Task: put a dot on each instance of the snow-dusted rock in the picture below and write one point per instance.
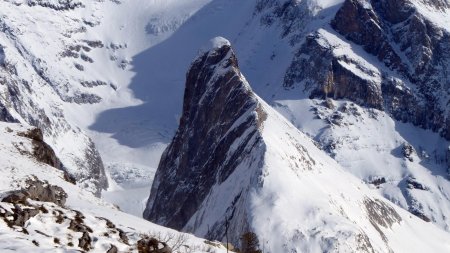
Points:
(235, 165)
(407, 42)
(40, 211)
(2, 56)
(37, 81)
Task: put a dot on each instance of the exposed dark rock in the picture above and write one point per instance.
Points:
(77, 224)
(219, 127)
(41, 150)
(419, 214)
(109, 224)
(5, 115)
(91, 84)
(412, 183)
(94, 43)
(20, 216)
(328, 103)
(378, 181)
(44, 153)
(152, 245)
(122, 235)
(292, 14)
(2, 56)
(85, 241)
(86, 58)
(79, 66)
(408, 151)
(381, 214)
(40, 191)
(69, 178)
(113, 249)
(61, 5)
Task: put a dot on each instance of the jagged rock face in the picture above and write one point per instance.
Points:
(39, 191)
(362, 26)
(202, 153)
(324, 76)
(237, 165)
(404, 41)
(41, 150)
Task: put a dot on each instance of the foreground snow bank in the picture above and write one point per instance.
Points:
(83, 223)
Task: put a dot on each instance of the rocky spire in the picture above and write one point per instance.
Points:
(218, 127)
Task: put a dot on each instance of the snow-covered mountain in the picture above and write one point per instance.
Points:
(236, 162)
(42, 210)
(295, 56)
(367, 80)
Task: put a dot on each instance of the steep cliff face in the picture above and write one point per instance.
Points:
(411, 58)
(235, 166)
(222, 107)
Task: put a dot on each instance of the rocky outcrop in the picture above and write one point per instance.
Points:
(219, 125)
(237, 168)
(39, 191)
(412, 58)
(152, 245)
(361, 25)
(59, 5)
(323, 75)
(35, 190)
(69, 228)
(408, 151)
(41, 150)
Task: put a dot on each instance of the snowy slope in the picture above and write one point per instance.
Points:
(128, 99)
(109, 225)
(260, 174)
(63, 62)
(268, 42)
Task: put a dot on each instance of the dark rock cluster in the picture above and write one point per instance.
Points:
(413, 183)
(408, 151)
(50, 199)
(60, 5)
(152, 245)
(39, 191)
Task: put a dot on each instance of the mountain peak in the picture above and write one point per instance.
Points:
(236, 166)
(216, 43)
(221, 115)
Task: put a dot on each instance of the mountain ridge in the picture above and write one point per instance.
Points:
(276, 176)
